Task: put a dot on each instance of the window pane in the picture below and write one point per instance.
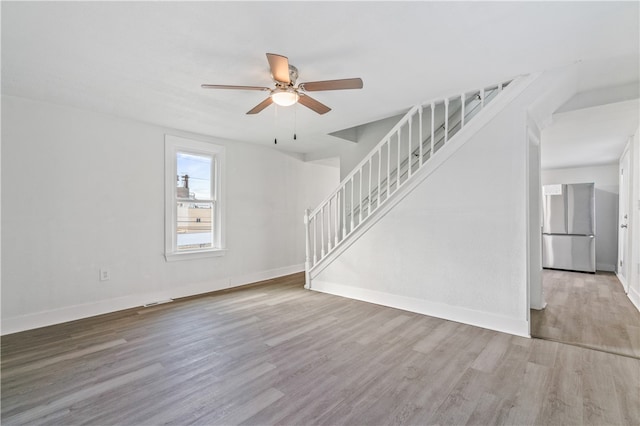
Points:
(194, 176)
(194, 225)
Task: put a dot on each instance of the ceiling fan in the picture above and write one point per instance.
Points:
(286, 92)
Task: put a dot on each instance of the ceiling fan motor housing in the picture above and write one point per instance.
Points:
(293, 77)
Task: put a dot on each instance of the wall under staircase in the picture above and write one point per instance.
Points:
(454, 242)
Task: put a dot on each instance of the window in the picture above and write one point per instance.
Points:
(194, 222)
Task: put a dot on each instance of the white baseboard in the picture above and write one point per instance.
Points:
(634, 296)
(540, 307)
(265, 275)
(75, 312)
(623, 281)
(425, 307)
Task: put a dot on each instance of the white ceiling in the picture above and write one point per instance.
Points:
(589, 136)
(146, 60)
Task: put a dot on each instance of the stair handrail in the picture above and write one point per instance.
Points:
(405, 118)
(339, 196)
(416, 151)
(372, 152)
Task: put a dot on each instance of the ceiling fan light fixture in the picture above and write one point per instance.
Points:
(285, 97)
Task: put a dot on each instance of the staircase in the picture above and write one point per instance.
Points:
(388, 171)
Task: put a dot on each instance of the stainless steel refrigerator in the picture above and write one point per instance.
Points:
(569, 225)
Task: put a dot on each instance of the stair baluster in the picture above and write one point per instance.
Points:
(340, 216)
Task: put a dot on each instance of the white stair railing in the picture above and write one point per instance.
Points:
(408, 146)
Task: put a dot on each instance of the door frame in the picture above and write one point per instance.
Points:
(535, 295)
(624, 261)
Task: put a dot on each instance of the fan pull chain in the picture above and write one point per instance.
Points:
(295, 121)
(275, 123)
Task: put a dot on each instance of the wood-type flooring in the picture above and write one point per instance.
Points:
(589, 310)
(275, 353)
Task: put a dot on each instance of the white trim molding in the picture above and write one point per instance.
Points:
(439, 310)
(634, 296)
(76, 312)
(623, 282)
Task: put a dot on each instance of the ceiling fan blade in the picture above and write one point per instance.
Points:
(262, 105)
(311, 103)
(279, 67)
(346, 83)
(224, 86)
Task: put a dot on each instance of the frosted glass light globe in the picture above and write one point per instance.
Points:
(285, 97)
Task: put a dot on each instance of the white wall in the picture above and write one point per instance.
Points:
(607, 188)
(83, 191)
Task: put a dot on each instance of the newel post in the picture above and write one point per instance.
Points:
(307, 259)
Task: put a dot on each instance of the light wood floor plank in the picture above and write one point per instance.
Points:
(62, 403)
(563, 403)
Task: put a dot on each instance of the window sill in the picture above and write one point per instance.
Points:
(189, 255)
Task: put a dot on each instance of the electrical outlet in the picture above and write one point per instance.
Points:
(105, 275)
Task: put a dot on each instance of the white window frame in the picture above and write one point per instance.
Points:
(173, 145)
